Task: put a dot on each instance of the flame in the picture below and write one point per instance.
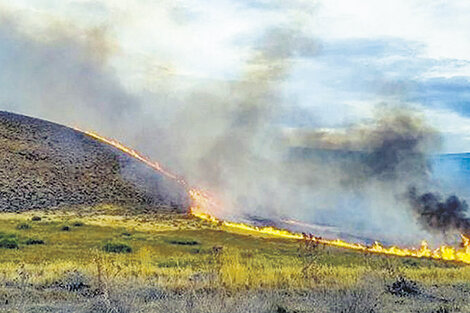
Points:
(133, 153)
(202, 203)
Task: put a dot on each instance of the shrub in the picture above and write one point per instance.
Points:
(8, 241)
(150, 294)
(403, 287)
(23, 226)
(74, 281)
(35, 218)
(34, 241)
(117, 247)
(184, 242)
(65, 228)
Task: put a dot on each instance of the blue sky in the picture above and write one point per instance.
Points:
(368, 52)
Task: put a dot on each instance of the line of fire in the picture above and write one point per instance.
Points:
(202, 204)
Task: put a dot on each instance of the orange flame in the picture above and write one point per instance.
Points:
(133, 153)
(448, 253)
(202, 203)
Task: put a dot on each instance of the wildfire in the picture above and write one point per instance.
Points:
(201, 200)
(202, 203)
(133, 153)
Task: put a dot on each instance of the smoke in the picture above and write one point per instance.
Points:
(228, 135)
(244, 158)
(391, 145)
(59, 72)
(393, 152)
(356, 176)
(399, 145)
(436, 215)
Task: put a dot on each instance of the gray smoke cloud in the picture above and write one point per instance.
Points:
(61, 76)
(225, 135)
(244, 157)
(359, 174)
(392, 153)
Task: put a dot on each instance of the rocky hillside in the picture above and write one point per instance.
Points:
(46, 165)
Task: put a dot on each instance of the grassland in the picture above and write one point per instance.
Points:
(67, 261)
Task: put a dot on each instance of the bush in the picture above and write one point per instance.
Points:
(23, 226)
(184, 242)
(8, 241)
(403, 287)
(74, 281)
(65, 228)
(33, 241)
(35, 218)
(117, 247)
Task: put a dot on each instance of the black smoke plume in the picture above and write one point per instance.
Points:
(399, 146)
(437, 215)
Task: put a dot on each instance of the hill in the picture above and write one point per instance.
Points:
(46, 165)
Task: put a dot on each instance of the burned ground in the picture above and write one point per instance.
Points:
(46, 165)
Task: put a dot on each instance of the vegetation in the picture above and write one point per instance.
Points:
(180, 264)
(185, 242)
(117, 247)
(22, 226)
(34, 241)
(8, 241)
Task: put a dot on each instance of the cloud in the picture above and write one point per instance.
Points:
(444, 93)
(442, 28)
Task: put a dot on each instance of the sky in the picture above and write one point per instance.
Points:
(367, 52)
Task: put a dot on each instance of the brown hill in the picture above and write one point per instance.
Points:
(46, 165)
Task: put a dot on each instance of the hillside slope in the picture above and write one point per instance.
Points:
(46, 165)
